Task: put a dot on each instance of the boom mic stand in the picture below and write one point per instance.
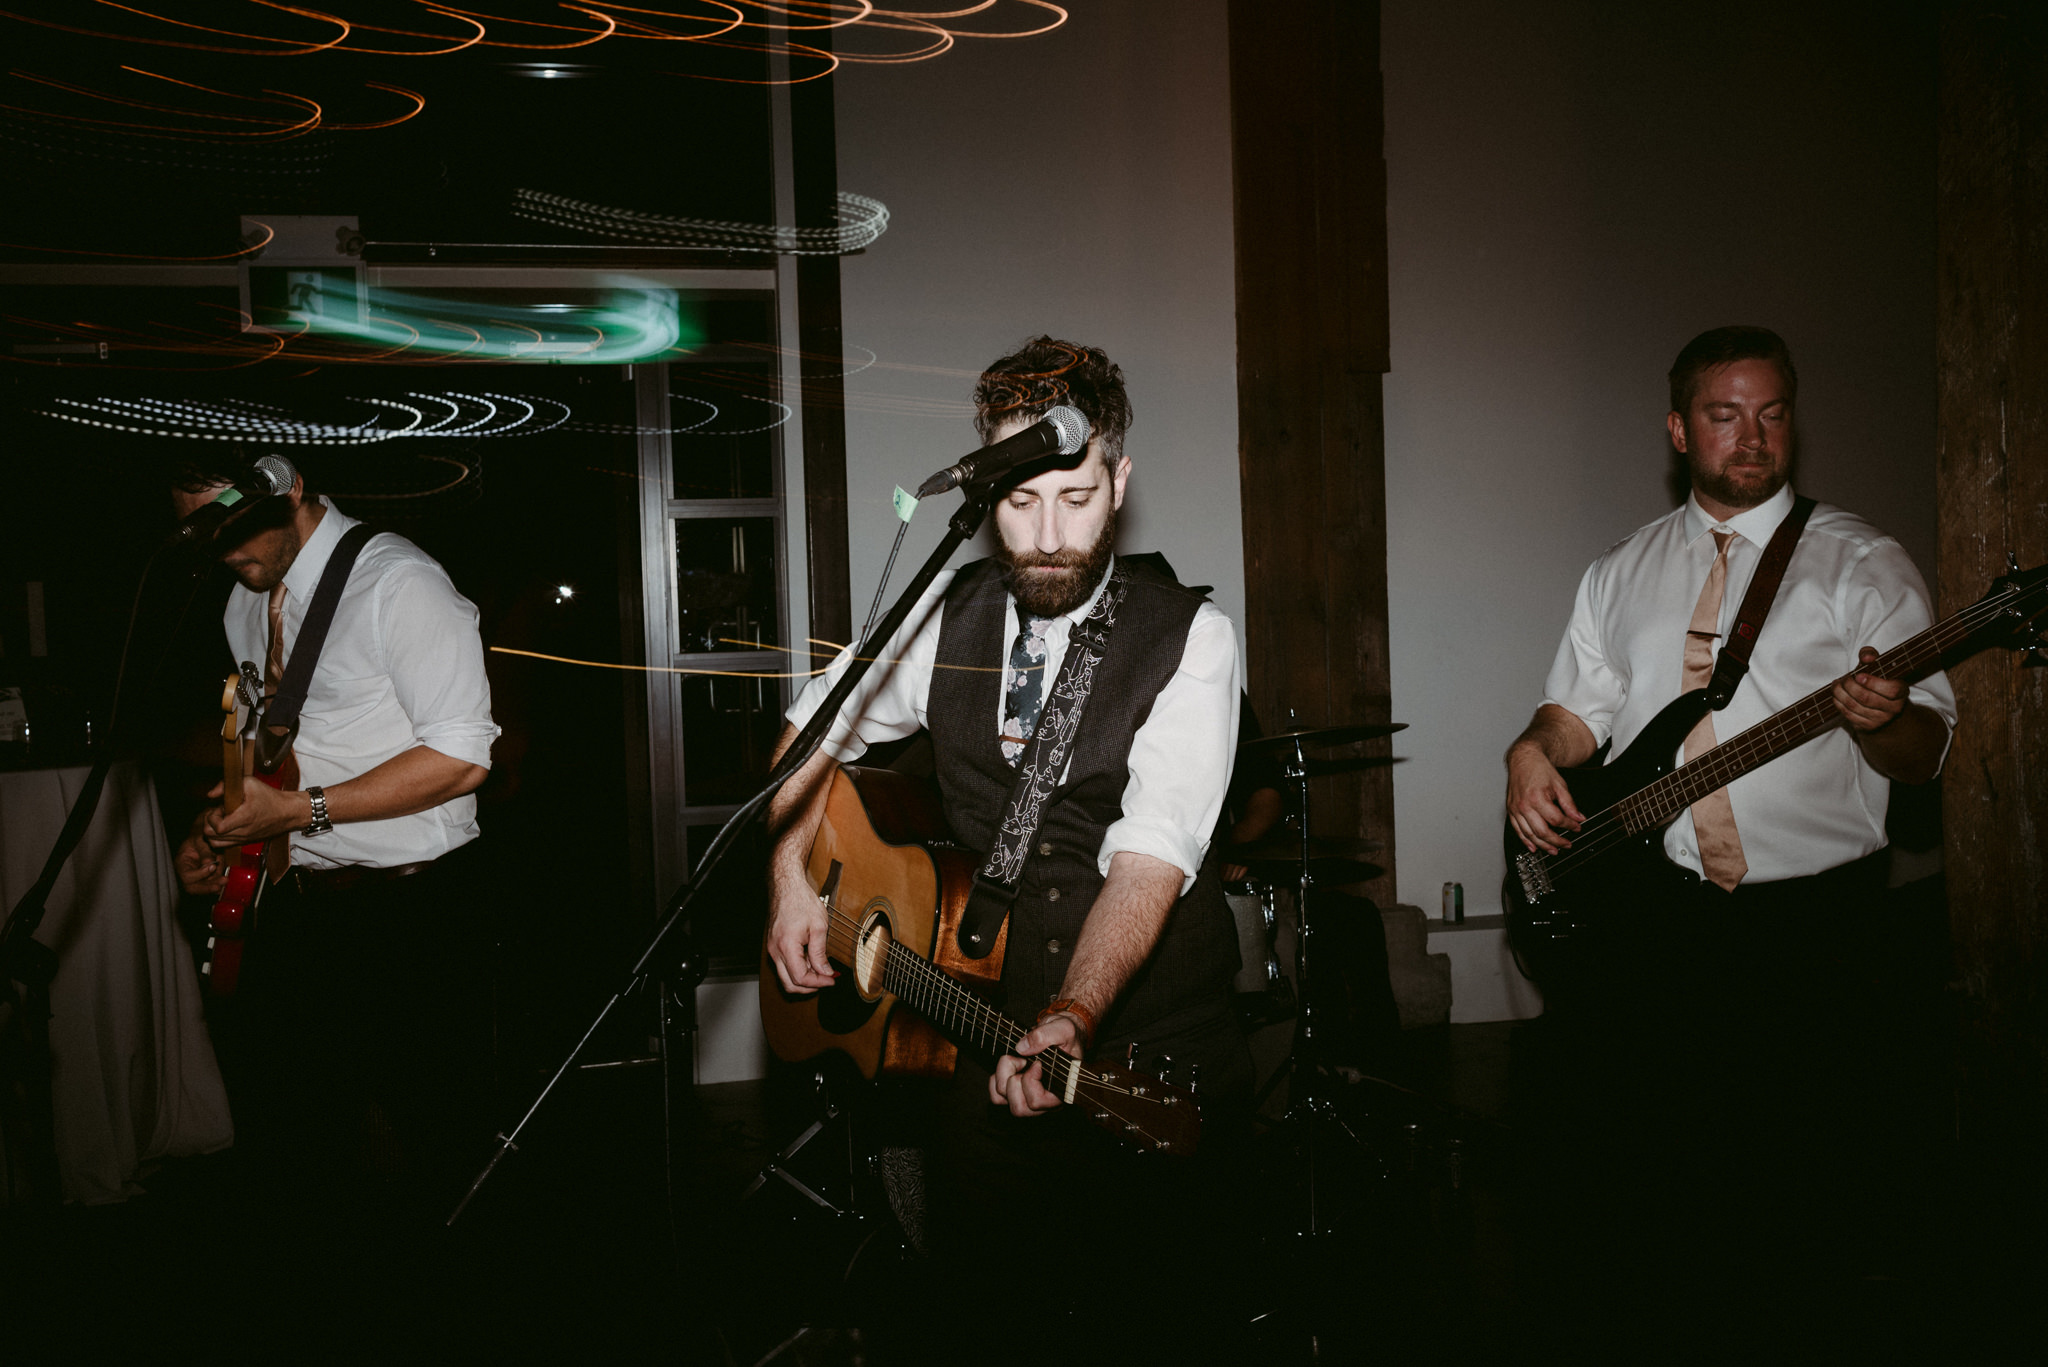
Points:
(671, 938)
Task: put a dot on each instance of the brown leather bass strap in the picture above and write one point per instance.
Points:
(281, 719)
(1733, 661)
(1039, 770)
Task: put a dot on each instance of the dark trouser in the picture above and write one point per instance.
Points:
(1721, 1118)
(1053, 1227)
(358, 1047)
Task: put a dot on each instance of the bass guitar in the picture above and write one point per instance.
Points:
(253, 866)
(892, 906)
(1557, 901)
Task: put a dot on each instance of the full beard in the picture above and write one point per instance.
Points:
(1074, 573)
(1739, 486)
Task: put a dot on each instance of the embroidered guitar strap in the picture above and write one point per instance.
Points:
(1733, 662)
(1038, 772)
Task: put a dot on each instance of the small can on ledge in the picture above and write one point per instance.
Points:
(1454, 903)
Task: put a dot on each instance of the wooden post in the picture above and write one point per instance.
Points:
(1307, 135)
(1992, 351)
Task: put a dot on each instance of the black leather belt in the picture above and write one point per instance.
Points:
(353, 875)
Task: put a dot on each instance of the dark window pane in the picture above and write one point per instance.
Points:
(727, 423)
(726, 584)
(729, 731)
(733, 907)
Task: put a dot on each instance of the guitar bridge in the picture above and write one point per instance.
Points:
(1535, 876)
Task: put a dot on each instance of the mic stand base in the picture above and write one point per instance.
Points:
(664, 948)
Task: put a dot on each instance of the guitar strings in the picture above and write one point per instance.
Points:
(1659, 801)
(1057, 1064)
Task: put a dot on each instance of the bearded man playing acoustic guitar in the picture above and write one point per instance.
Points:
(1119, 933)
(1742, 992)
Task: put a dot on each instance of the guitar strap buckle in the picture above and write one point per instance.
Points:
(1733, 661)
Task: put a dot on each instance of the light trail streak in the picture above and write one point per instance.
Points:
(738, 673)
(286, 47)
(245, 250)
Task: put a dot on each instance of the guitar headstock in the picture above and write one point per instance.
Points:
(1143, 1111)
(2021, 597)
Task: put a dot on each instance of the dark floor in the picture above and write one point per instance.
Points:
(1445, 1236)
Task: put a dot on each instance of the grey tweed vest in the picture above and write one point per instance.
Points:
(1187, 979)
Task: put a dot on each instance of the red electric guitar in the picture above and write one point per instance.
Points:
(258, 864)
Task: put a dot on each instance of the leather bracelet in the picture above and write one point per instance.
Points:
(1067, 1006)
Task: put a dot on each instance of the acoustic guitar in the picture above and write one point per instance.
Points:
(1556, 902)
(892, 904)
(253, 866)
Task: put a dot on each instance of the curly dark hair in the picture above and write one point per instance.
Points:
(1046, 372)
(1722, 346)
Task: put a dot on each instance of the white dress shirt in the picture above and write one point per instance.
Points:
(403, 666)
(1180, 758)
(1848, 586)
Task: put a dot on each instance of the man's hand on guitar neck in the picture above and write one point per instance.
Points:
(1018, 1082)
(1901, 739)
(1539, 803)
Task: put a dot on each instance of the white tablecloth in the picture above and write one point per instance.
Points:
(133, 1068)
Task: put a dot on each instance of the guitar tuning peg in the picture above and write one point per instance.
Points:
(1165, 1066)
(1131, 1056)
(1194, 1077)
(2012, 563)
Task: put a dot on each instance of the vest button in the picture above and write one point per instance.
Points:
(1052, 946)
(1045, 847)
(1052, 894)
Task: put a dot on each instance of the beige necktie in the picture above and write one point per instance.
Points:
(277, 854)
(273, 659)
(1713, 818)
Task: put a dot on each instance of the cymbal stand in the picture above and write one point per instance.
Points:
(1307, 1107)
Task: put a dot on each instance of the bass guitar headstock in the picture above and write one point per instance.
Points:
(2022, 597)
(1144, 1111)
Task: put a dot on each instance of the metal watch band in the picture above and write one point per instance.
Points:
(321, 823)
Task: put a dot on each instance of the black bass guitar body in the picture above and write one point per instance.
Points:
(1561, 906)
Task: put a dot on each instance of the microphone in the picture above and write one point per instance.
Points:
(273, 475)
(1062, 429)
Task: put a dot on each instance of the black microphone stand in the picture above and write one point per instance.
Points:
(670, 945)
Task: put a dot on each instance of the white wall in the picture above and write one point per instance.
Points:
(1076, 183)
(1574, 191)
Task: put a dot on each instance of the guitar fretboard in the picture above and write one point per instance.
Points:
(1655, 804)
(941, 999)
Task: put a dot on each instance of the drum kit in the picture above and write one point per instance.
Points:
(1304, 861)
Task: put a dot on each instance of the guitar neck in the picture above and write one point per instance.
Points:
(1658, 803)
(934, 994)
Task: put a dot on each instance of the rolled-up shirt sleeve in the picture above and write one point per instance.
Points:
(890, 702)
(1181, 757)
(434, 656)
(1884, 602)
(1582, 680)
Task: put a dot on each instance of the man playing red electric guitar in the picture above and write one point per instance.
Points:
(358, 1035)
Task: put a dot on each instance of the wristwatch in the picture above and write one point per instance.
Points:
(321, 823)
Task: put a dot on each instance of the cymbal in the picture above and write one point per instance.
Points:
(1325, 736)
(1284, 849)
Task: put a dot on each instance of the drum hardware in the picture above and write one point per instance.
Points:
(1310, 1110)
